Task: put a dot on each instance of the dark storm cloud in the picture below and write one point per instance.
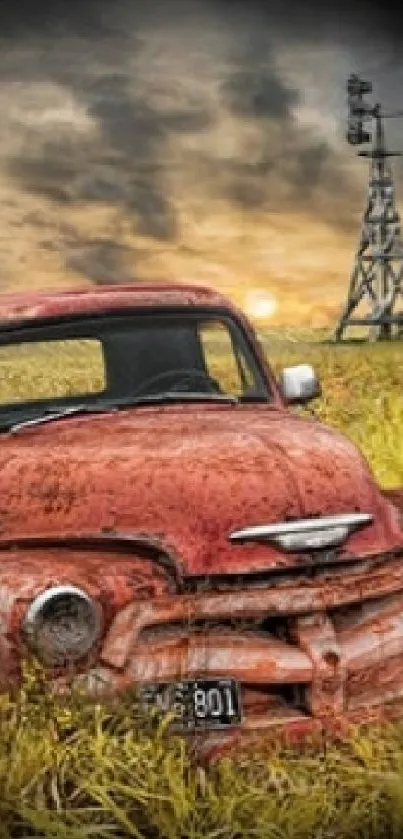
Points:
(293, 169)
(124, 169)
(307, 179)
(101, 260)
(98, 51)
(49, 173)
(347, 21)
(30, 17)
(133, 131)
(254, 92)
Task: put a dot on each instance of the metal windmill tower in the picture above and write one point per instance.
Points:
(377, 275)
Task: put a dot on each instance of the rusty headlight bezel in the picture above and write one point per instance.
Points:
(61, 625)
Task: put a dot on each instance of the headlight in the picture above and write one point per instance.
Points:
(62, 624)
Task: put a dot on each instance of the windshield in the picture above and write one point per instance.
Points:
(126, 359)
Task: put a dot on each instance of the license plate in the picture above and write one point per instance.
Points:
(201, 704)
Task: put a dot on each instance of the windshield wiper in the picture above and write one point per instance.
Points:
(49, 415)
(114, 405)
(174, 396)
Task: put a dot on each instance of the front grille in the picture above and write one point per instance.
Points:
(300, 645)
(321, 565)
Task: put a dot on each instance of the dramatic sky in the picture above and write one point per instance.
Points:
(200, 140)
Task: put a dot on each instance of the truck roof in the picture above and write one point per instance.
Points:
(23, 307)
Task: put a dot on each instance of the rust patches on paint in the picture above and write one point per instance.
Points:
(136, 508)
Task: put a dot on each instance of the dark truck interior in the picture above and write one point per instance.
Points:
(146, 354)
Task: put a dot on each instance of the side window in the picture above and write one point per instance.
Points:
(220, 359)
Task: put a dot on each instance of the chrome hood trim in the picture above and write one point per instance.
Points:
(305, 534)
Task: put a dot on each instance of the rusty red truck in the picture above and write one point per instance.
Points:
(169, 522)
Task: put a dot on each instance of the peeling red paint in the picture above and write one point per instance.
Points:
(51, 303)
(243, 467)
(136, 508)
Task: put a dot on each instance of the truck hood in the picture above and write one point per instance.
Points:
(188, 476)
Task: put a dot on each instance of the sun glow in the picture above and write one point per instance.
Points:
(260, 304)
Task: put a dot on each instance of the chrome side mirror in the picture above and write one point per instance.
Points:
(299, 384)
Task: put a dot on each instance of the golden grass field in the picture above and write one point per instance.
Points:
(362, 395)
(79, 771)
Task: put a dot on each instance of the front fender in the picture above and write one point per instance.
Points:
(112, 579)
(395, 496)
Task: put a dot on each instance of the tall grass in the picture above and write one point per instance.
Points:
(74, 769)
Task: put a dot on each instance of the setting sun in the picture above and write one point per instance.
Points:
(260, 303)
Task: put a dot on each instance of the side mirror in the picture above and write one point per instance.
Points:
(299, 384)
